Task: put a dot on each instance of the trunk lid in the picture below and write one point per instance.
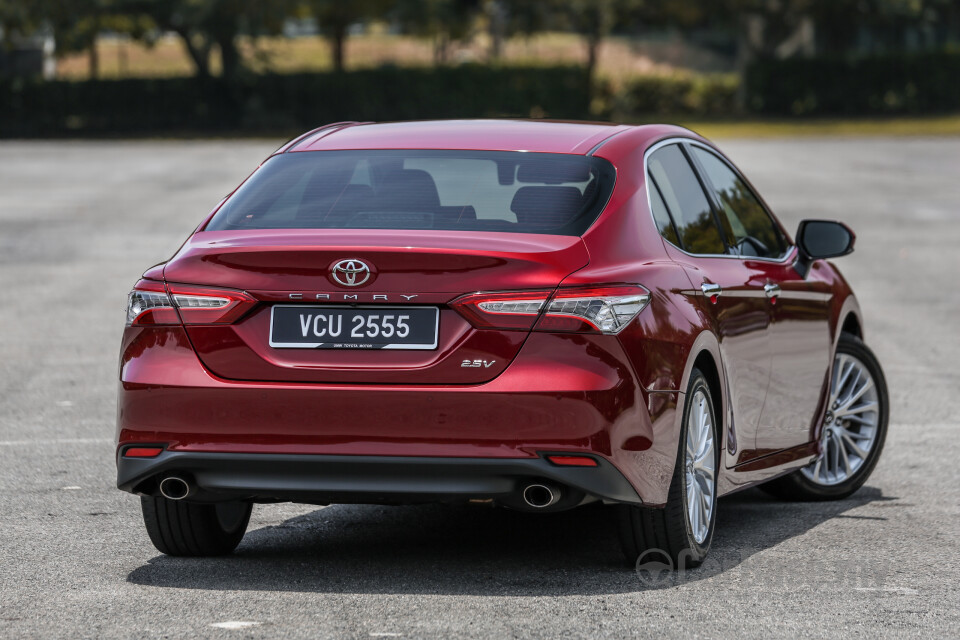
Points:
(406, 268)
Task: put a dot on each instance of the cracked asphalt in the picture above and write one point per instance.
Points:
(79, 222)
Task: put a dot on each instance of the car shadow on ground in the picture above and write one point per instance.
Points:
(437, 549)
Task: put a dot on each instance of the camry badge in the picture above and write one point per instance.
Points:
(350, 272)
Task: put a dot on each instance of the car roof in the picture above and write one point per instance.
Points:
(494, 135)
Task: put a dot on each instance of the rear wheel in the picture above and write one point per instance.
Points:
(854, 429)
(680, 533)
(181, 528)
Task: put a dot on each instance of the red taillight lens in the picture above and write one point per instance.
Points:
(510, 311)
(148, 304)
(151, 303)
(606, 309)
(201, 305)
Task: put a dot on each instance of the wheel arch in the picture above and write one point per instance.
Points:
(705, 356)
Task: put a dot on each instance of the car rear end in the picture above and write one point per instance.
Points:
(385, 326)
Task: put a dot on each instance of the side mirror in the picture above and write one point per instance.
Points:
(820, 239)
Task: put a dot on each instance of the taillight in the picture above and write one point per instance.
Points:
(148, 304)
(200, 305)
(605, 309)
(511, 311)
(151, 303)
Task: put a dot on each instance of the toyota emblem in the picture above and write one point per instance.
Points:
(350, 272)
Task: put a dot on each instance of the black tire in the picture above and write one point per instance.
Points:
(797, 486)
(664, 536)
(181, 528)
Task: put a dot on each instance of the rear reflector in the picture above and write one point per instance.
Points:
(573, 461)
(142, 452)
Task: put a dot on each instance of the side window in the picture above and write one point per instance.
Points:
(754, 232)
(661, 216)
(686, 201)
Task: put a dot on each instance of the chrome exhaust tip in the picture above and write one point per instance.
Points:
(174, 488)
(540, 496)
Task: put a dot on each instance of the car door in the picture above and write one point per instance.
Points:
(730, 291)
(799, 308)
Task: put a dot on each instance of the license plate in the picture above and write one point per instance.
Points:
(329, 327)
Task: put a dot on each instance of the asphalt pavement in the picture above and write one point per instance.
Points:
(80, 221)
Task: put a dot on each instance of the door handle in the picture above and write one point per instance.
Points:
(712, 291)
(772, 291)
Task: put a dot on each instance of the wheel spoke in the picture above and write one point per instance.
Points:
(844, 374)
(844, 458)
(867, 385)
(863, 408)
(853, 446)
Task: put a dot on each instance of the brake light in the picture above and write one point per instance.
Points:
(606, 309)
(510, 311)
(199, 305)
(151, 303)
(148, 304)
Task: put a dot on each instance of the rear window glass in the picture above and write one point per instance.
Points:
(461, 190)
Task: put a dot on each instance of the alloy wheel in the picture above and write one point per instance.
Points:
(700, 462)
(851, 425)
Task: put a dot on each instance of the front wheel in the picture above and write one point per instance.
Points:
(854, 429)
(681, 532)
(181, 528)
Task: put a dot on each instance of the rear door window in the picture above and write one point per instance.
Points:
(685, 200)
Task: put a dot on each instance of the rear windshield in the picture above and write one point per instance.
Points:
(462, 190)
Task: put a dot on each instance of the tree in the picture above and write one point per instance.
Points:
(203, 25)
(335, 17)
(594, 20)
(445, 21)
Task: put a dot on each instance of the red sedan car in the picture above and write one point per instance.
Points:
(537, 314)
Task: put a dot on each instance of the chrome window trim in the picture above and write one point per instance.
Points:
(788, 256)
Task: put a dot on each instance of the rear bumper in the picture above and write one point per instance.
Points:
(562, 394)
(364, 479)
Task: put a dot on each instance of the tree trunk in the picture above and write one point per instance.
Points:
(229, 55)
(593, 54)
(338, 40)
(497, 19)
(94, 59)
(199, 55)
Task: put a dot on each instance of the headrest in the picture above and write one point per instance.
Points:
(546, 207)
(410, 190)
(547, 171)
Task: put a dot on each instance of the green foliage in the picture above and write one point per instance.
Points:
(444, 21)
(286, 103)
(644, 97)
(205, 24)
(885, 84)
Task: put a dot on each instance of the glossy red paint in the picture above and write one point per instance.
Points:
(616, 398)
